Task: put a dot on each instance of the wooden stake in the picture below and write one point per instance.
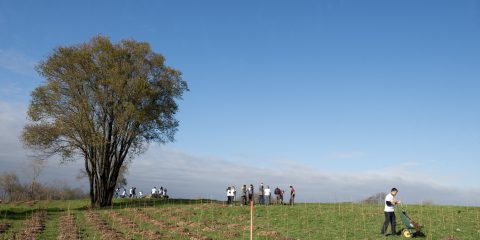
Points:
(251, 220)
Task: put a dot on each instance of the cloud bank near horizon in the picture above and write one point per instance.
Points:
(188, 175)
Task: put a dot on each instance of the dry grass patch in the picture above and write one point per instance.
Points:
(4, 226)
(133, 228)
(33, 226)
(179, 228)
(93, 219)
(68, 230)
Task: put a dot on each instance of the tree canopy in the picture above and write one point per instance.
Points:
(103, 102)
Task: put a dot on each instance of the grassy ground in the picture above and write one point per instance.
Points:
(200, 219)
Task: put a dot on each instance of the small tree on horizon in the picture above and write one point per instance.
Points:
(103, 102)
(377, 198)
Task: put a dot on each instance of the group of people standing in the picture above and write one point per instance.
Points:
(132, 193)
(159, 193)
(264, 194)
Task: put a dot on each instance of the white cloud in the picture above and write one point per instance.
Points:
(189, 176)
(17, 62)
(14, 157)
(12, 119)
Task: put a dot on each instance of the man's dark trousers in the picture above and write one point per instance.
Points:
(389, 219)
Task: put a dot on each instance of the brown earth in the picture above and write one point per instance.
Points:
(268, 234)
(216, 225)
(107, 233)
(133, 228)
(33, 226)
(4, 226)
(178, 228)
(68, 230)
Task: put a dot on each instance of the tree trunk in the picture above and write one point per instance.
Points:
(103, 171)
(101, 189)
(92, 193)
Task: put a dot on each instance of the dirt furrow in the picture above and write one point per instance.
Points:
(181, 219)
(107, 232)
(33, 226)
(177, 228)
(4, 226)
(218, 225)
(68, 230)
(133, 228)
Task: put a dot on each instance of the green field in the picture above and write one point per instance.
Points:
(202, 219)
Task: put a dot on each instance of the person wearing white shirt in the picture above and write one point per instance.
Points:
(229, 195)
(389, 211)
(267, 194)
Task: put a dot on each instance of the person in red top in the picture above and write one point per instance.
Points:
(292, 195)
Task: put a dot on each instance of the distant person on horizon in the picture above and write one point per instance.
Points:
(243, 194)
(117, 192)
(234, 193)
(389, 211)
(124, 193)
(232, 188)
(229, 195)
(267, 194)
(154, 192)
(261, 192)
(282, 192)
(277, 193)
(250, 193)
(292, 195)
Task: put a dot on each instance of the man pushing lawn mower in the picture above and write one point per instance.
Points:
(411, 229)
(390, 203)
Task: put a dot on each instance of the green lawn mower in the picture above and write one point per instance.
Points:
(412, 228)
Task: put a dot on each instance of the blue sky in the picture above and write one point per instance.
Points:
(346, 87)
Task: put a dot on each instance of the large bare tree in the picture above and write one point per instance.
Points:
(103, 102)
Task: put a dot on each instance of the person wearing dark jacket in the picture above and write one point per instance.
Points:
(277, 193)
(261, 191)
(243, 194)
(250, 193)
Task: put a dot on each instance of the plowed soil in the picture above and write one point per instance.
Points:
(68, 230)
(33, 226)
(4, 226)
(133, 228)
(107, 232)
(177, 228)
